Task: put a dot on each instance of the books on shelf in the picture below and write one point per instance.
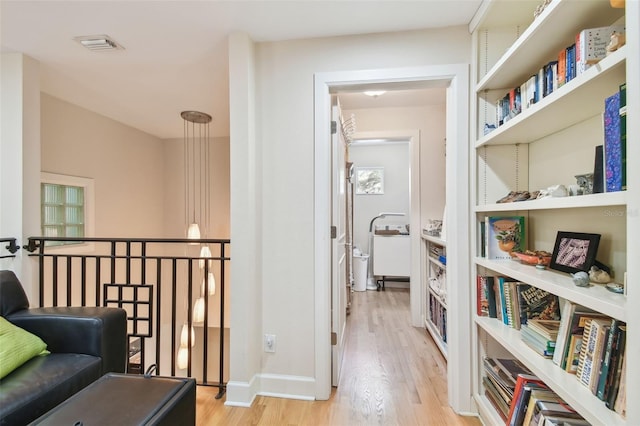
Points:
(572, 322)
(616, 373)
(522, 392)
(573, 355)
(591, 45)
(503, 235)
(482, 296)
(623, 135)
(612, 147)
(595, 332)
(537, 342)
(548, 328)
(535, 303)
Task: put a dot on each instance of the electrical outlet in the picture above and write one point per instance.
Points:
(269, 342)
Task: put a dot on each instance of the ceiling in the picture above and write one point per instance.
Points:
(175, 52)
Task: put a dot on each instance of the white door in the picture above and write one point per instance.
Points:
(338, 252)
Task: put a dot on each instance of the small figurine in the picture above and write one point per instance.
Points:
(617, 41)
(598, 275)
(581, 279)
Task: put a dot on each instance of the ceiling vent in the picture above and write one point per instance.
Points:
(98, 43)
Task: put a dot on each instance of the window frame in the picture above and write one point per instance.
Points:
(89, 207)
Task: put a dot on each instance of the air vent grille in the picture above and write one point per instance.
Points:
(98, 43)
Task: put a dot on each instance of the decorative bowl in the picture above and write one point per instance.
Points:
(531, 259)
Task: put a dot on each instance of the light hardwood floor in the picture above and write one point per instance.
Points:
(393, 374)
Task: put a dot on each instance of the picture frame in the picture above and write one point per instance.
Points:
(574, 251)
(369, 181)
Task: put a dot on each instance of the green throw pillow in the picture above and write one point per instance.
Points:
(17, 346)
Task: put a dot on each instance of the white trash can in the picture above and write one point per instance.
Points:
(360, 264)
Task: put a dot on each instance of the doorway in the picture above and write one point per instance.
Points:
(455, 78)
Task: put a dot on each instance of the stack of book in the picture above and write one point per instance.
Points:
(500, 381)
(541, 335)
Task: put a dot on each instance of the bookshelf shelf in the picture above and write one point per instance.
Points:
(442, 346)
(568, 105)
(549, 143)
(608, 199)
(564, 384)
(435, 307)
(553, 30)
(595, 297)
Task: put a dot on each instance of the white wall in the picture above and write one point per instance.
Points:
(284, 132)
(430, 121)
(20, 161)
(394, 158)
(126, 165)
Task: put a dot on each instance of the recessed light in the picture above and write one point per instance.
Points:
(375, 93)
(98, 42)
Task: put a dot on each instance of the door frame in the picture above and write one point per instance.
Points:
(458, 213)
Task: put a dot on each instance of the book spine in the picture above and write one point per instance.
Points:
(606, 361)
(563, 332)
(584, 371)
(612, 148)
(623, 135)
(491, 296)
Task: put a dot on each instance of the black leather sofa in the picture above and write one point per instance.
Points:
(85, 343)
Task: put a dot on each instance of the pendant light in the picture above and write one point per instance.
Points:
(196, 172)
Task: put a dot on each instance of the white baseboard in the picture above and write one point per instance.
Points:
(242, 394)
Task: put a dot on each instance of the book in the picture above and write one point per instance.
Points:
(546, 328)
(620, 406)
(606, 360)
(562, 67)
(492, 395)
(572, 321)
(491, 296)
(498, 296)
(535, 303)
(482, 297)
(575, 344)
(555, 409)
(504, 235)
(517, 402)
(524, 385)
(623, 135)
(505, 371)
(612, 148)
(591, 46)
(616, 372)
(598, 170)
(551, 420)
(508, 289)
(588, 366)
(536, 342)
(538, 395)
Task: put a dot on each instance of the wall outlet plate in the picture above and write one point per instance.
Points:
(269, 342)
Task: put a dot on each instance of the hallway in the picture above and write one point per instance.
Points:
(393, 374)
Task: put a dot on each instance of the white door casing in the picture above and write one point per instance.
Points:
(338, 247)
(458, 216)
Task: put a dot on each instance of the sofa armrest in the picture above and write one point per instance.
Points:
(96, 331)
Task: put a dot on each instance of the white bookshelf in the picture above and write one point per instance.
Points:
(435, 298)
(509, 47)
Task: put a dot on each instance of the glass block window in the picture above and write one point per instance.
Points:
(64, 207)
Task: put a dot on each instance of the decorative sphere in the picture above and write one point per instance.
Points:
(581, 279)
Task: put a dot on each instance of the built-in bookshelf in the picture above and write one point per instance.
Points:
(547, 144)
(435, 283)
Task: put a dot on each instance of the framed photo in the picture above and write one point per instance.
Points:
(370, 180)
(574, 251)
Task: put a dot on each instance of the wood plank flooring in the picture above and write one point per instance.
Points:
(393, 374)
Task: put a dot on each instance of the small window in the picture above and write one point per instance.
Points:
(66, 210)
(370, 180)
